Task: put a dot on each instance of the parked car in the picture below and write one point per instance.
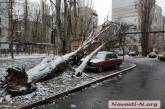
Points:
(104, 60)
(162, 57)
(132, 53)
(119, 52)
(152, 55)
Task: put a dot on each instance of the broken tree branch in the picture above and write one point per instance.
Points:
(54, 64)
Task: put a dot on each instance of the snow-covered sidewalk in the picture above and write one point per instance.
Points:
(60, 84)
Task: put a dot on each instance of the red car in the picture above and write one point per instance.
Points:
(104, 60)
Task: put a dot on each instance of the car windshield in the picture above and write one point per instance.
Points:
(99, 56)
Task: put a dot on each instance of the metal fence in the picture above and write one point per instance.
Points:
(27, 48)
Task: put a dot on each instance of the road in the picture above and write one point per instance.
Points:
(145, 82)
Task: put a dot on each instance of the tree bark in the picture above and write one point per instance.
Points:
(146, 13)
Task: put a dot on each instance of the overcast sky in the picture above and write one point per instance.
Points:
(103, 8)
(162, 4)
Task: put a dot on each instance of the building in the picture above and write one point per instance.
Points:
(4, 22)
(126, 11)
(35, 32)
(160, 39)
(87, 23)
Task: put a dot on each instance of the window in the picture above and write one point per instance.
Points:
(109, 56)
(100, 56)
(114, 56)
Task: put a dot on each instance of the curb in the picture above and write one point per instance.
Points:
(78, 88)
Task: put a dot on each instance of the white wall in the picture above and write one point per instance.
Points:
(122, 3)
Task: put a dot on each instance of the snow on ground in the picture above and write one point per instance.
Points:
(55, 86)
(61, 83)
(24, 56)
(27, 62)
(139, 59)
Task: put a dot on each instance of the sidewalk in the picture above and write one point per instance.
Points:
(60, 86)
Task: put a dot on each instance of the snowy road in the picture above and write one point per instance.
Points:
(145, 82)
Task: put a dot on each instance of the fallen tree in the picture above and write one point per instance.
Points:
(19, 81)
(104, 41)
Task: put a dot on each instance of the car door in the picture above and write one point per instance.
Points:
(114, 59)
(109, 60)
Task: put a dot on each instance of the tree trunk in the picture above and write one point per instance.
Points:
(11, 27)
(11, 49)
(58, 23)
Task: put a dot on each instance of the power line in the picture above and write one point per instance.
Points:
(139, 32)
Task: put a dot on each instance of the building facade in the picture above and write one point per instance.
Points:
(34, 32)
(87, 23)
(4, 22)
(126, 11)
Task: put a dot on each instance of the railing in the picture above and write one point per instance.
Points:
(27, 48)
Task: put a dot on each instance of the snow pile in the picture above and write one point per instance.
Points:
(66, 75)
(40, 93)
(41, 90)
(6, 98)
(73, 106)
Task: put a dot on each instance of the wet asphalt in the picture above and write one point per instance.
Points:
(145, 82)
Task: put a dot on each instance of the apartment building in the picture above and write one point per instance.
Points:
(4, 22)
(126, 11)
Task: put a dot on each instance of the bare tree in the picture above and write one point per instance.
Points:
(75, 5)
(124, 28)
(12, 25)
(58, 22)
(11, 17)
(35, 25)
(71, 20)
(145, 11)
(25, 22)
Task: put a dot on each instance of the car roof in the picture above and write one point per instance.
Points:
(106, 52)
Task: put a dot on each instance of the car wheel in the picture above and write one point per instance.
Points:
(100, 69)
